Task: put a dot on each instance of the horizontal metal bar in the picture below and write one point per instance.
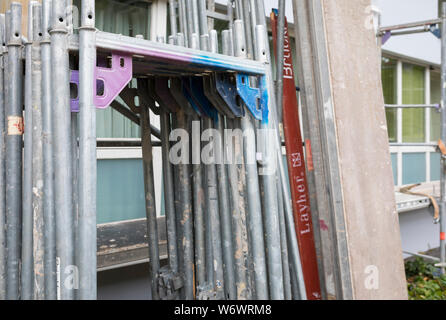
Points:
(124, 143)
(410, 144)
(216, 15)
(414, 31)
(422, 256)
(177, 57)
(410, 25)
(405, 106)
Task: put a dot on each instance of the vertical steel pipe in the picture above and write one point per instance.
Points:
(149, 186)
(169, 192)
(279, 95)
(202, 17)
(184, 28)
(233, 155)
(63, 171)
(263, 54)
(269, 163)
(279, 59)
(189, 18)
(27, 203)
(87, 153)
(212, 204)
(185, 207)
(14, 120)
(199, 208)
(173, 17)
(195, 15)
(252, 184)
(2, 164)
(283, 243)
(443, 138)
(6, 102)
(37, 155)
(48, 169)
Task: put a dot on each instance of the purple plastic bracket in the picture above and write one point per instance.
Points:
(74, 79)
(113, 80)
(386, 37)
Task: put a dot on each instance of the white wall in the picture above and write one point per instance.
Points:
(418, 232)
(423, 46)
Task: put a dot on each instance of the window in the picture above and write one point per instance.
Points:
(412, 130)
(435, 124)
(389, 76)
(413, 93)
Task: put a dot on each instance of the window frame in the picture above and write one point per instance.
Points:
(399, 147)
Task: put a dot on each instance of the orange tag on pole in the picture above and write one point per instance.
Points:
(442, 236)
(442, 147)
(309, 155)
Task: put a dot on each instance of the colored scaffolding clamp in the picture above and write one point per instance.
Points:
(256, 99)
(109, 80)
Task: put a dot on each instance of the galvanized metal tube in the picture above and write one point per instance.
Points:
(149, 186)
(169, 193)
(177, 123)
(27, 196)
(199, 208)
(252, 184)
(37, 156)
(186, 217)
(173, 17)
(237, 186)
(225, 215)
(2, 164)
(237, 183)
(270, 161)
(48, 169)
(411, 25)
(195, 16)
(443, 138)
(279, 59)
(263, 54)
(248, 31)
(223, 196)
(279, 94)
(87, 153)
(14, 152)
(212, 204)
(190, 22)
(202, 17)
(75, 183)
(6, 102)
(253, 13)
(230, 13)
(184, 28)
(63, 171)
(283, 243)
(238, 9)
(178, 212)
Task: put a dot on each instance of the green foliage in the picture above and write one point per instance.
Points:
(424, 281)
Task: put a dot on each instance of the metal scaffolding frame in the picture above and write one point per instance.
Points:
(230, 225)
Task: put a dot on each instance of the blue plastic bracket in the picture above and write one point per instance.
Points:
(226, 85)
(194, 93)
(435, 30)
(256, 99)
